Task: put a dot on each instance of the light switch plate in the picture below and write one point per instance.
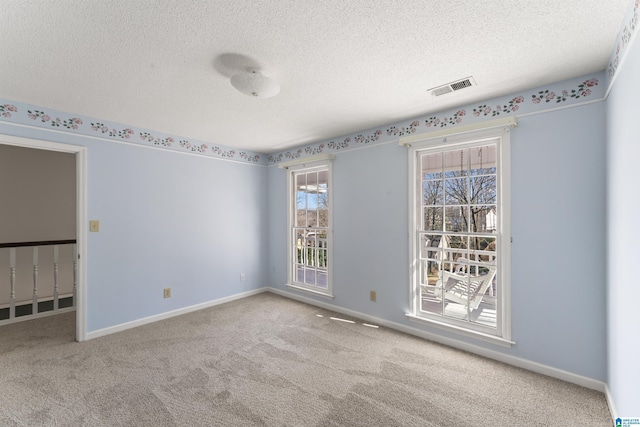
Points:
(94, 226)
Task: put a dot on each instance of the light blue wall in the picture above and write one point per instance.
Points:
(371, 249)
(558, 225)
(558, 228)
(623, 153)
(188, 222)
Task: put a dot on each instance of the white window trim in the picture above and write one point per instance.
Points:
(509, 122)
(503, 330)
(307, 161)
(494, 339)
(310, 163)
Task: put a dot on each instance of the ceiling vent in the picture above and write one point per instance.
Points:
(453, 86)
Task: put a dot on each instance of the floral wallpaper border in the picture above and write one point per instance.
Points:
(624, 37)
(563, 93)
(45, 118)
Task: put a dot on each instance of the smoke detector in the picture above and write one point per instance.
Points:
(453, 86)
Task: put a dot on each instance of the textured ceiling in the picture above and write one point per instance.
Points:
(343, 66)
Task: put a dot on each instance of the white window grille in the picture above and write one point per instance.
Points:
(310, 232)
(459, 220)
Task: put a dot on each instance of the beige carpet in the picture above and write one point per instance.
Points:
(268, 361)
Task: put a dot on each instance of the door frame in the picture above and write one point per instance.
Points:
(81, 215)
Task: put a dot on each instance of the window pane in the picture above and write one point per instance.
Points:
(312, 217)
(430, 284)
(456, 163)
(456, 191)
(301, 216)
(433, 218)
(455, 289)
(486, 313)
(322, 250)
(309, 276)
(482, 250)
(323, 198)
(431, 299)
(484, 302)
(431, 247)
(323, 180)
(323, 217)
(299, 245)
(456, 218)
(482, 189)
(301, 187)
(312, 198)
(432, 193)
(483, 160)
(301, 200)
(456, 253)
(431, 166)
(483, 219)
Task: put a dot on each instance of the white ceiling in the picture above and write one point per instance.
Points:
(343, 65)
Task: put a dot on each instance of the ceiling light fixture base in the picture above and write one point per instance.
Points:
(253, 83)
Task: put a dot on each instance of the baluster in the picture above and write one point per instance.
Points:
(478, 259)
(491, 260)
(34, 309)
(55, 277)
(325, 257)
(12, 277)
(75, 273)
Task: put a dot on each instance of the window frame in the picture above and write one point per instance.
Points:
(501, 136)
(293, 170)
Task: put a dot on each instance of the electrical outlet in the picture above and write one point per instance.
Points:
(372, 296)
(167, 292)
(243, 277)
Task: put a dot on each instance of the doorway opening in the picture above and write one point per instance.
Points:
(42, 234)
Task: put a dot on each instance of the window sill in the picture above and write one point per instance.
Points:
(310, 291)
(462, 331)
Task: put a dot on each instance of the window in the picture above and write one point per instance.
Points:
(310, 228)
(459, 217)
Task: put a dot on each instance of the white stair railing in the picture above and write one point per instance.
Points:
(47, 277)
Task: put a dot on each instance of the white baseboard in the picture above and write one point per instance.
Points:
(135, 323)
(612, 406)
(471, 348)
